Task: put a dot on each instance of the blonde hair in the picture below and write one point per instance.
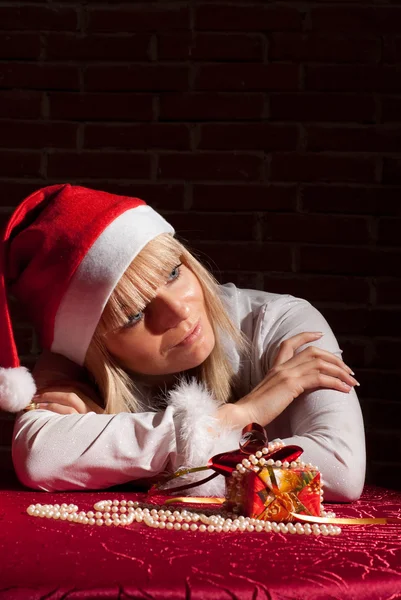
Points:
(150, 268)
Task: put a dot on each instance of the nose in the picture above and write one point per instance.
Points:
(167, 310)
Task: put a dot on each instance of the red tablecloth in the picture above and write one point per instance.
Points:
(44, 558)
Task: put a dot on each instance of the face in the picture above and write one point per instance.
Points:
(173, 333)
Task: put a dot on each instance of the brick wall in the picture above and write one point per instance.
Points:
(267, 132)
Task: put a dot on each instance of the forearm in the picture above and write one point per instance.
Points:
(59, 452)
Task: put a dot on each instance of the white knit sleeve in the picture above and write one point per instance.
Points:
(326, 423)
(54, 452)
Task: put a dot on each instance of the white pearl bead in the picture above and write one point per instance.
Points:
(169, 525)
(258, 454)
(185, 526)
(202, 528)
(270, 462)
(177, 526)
(193, 527)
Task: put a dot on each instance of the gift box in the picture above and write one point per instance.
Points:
(274, 492)
(264, 480)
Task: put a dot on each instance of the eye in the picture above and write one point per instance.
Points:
(175, 273)
(134, 319)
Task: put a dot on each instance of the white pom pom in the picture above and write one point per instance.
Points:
(17, 388)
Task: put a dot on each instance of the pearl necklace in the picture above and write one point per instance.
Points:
(125, 512)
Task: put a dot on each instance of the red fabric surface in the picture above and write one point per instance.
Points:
(44, 558)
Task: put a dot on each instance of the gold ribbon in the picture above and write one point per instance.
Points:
(196, 500)
(346, 521)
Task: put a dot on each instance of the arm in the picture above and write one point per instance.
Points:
(326, 423)
(54, 452)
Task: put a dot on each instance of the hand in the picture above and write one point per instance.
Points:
(66, 402)
(291, 375)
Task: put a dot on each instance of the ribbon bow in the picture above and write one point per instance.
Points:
(253, 438)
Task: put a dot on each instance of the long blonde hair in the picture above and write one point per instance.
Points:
(136, 288)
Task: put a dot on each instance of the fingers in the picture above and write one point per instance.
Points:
(317, 367)
(319, 380)
(64, 400)
(313, 352)
(288, 347)
(61, 409)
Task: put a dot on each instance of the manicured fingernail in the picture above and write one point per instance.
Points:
(318, 333)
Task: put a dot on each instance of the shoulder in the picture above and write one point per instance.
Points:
(264, 306)
(268, 319)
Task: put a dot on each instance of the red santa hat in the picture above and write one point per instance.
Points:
(63, 252)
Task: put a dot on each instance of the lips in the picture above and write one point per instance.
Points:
(188, 335)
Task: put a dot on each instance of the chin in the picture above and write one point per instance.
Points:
(197, 356)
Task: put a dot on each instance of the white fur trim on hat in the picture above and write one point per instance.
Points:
(200, 435)
(17, 388)
(97, 276)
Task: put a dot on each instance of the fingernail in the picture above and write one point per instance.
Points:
(318, 333)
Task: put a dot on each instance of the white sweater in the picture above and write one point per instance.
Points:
(93, 451)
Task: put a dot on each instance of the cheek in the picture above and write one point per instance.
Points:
(139, 349)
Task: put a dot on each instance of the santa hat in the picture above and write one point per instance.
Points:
(63, 252)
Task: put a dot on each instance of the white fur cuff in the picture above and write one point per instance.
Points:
(200, 435)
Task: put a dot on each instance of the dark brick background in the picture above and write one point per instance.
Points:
(267, 132)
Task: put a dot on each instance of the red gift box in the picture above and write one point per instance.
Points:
(273, 493)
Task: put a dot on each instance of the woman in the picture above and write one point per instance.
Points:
(126, 313)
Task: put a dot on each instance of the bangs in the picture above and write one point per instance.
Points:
(149, 270)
